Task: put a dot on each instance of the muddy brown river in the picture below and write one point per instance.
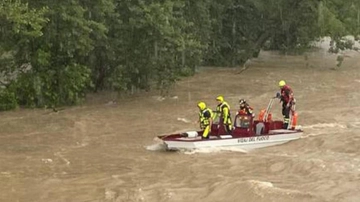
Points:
(106, 151)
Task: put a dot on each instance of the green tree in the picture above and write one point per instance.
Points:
(20, 26)
(53, 52)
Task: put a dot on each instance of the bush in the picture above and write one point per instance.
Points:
(52, 88)
(7, 100)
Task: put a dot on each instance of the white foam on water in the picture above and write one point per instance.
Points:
(312, 134)
(261, 184)
(325, 125)
(209, 150)
(282, 154)
(183, 120)
(353, 125)
(110, 195)
(156, 147)
(262, 188)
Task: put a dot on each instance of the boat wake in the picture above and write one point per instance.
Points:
(156, 147)
(325, 125)
(321, 128)
(162, 147)
(209, 150)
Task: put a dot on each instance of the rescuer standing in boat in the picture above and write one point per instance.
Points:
(223, 110)
(286, 96)
(205, 119)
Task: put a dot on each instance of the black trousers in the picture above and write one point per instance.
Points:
(228, 129)
(286, 115)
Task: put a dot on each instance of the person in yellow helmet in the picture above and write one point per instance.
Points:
(286, 96)
(205, 119)
(223, 110)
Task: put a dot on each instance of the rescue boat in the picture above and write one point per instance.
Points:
(248, 133)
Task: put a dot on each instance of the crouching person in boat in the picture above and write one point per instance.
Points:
(205, 119)
(245, 108)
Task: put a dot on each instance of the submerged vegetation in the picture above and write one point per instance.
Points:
(53, 52)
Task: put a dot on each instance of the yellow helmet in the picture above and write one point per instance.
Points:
(201, 105)
(282, 83)
(220, 98)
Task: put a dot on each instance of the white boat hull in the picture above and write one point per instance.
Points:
(245, 143)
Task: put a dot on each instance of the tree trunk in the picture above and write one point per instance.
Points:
(183, 56)
(254, 49)
(156, 50)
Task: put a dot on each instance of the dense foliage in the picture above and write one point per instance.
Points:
(54, 52)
